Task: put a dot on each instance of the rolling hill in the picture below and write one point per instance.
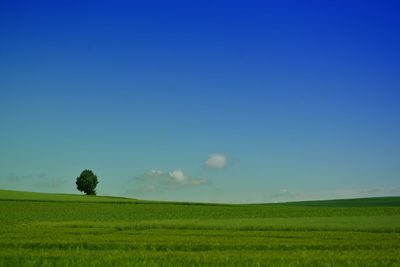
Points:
(39, 229)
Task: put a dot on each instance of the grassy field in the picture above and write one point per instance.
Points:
(66, 230)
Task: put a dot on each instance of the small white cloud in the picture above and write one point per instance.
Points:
(283, 191)
(178, 176)
(216, 161)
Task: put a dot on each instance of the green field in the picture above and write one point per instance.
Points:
(67, 230)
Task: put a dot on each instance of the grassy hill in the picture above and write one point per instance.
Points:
(47, 197)
(38, 229)
(355, 202)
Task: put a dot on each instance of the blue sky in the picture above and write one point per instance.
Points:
(225, 101)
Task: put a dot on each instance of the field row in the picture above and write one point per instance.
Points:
(66, 244)
(63, 233)
(23, 212)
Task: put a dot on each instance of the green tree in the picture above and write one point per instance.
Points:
(87, 182)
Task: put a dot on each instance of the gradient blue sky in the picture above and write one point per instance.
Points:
(299, 98)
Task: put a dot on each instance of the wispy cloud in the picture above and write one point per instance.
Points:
(284, 195)
(158, 181)
(216, 161)
(28, 182)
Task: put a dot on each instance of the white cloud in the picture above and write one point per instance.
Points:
(216, 161)
(178, 176)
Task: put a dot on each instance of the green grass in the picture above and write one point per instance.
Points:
(45, 197)
(70, 230)
(358, 202)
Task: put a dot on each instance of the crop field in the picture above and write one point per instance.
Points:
(68, 230)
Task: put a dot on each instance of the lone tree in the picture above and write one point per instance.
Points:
(87, 182)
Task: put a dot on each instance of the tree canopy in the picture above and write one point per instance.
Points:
(87, 182)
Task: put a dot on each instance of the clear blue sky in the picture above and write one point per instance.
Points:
(227, 101)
